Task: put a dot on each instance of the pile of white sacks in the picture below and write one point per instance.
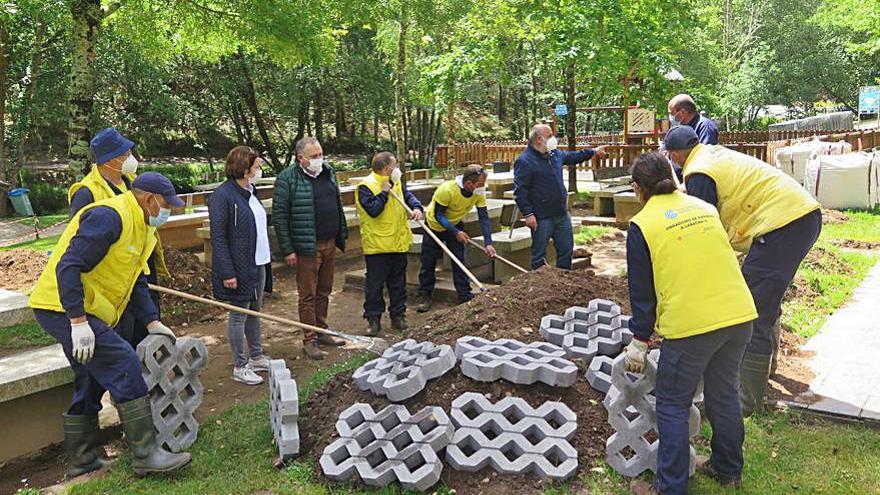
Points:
(832, 173)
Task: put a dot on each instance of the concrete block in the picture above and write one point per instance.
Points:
(511, 437)
(599, 373)
(633, 415)
(515, 362)
(171, 371)
(14, 308)
(404, 368)
(585, 332)
(387, 446)
(283, 409)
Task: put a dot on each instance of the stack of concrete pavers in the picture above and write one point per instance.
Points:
(171, 370)
(283, 409)
(632, 412)
(512, 437)
(585, 332)
(404, 368)
(514, 361)
(387, 446)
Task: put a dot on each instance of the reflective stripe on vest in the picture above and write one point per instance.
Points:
(697, 279)
(106, 288)
(389, 232)
(753, 197)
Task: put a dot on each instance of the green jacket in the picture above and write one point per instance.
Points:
(293, 213)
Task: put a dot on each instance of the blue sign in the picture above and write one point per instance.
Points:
(561, 110)
(869, 99)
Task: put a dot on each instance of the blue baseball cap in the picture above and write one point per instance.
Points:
(108, 144)
(156, 183)
(680, 137)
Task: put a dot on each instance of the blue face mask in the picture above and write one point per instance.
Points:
(160, 219)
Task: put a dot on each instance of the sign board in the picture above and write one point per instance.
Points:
(561, 110)
(869, 99)
(640, 120)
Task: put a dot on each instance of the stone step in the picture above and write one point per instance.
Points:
(14, 308)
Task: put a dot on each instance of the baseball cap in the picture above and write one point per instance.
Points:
(680, 137)
(157, 183)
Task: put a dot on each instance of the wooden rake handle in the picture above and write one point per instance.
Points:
(498, 257)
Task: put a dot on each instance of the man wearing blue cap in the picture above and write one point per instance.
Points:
(114, 170)
(770, 218)
(97, 267)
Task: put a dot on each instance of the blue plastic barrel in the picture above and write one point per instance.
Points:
(21, 202)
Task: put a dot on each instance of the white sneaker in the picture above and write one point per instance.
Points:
(259, 364)
(246, 375)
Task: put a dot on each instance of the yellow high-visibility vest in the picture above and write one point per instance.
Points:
(389, 232)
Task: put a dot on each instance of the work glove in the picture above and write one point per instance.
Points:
(83, 339)
(158, 328)
(636, 355)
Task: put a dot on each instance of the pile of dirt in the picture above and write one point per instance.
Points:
(189, 275)
(317, 425)
(793, 375)
(859, 245)
(824, 260)
(514, 310)
(20, 268)
(833, 216)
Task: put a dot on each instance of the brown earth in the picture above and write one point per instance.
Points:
(20, 268)
(793, 376)
(860, 245)
(189, 275)
(833, 216)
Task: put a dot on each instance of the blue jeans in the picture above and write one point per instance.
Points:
(241, 326)
(559, 229)
(385, 269)
(715, 357)
(769, 269)
(115, 366)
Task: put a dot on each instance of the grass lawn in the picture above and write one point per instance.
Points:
(41, 244)
(860, 226)
(588, 233)
(24, 335)
(43, 221)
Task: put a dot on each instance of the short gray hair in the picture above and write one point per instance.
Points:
(302, 143)
(537, 131)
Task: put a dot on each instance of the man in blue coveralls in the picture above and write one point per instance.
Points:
(96, 270)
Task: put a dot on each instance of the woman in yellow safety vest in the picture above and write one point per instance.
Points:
(685, 284)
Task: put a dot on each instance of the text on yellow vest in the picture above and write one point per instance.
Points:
(697, 279)
(457, 204)
(107, 288)
(97, 185)
(389, 232)
(753, 197)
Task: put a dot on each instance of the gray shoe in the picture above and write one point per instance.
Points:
(259, 364)
(81, 444)
(753, 376)
(425, 302)
(147, 456)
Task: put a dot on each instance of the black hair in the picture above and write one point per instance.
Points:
(653, 173)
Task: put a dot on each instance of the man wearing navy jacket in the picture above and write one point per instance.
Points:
(541, 195)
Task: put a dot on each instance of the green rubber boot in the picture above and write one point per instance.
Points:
(146, 455)
(753, 376)
(81, 444)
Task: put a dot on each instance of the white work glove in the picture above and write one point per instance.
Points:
(83, 339)
(636, 355)
(158, 328)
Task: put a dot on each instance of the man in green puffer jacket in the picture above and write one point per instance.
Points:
(310, 225)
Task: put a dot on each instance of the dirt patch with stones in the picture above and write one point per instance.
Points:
(20, 268)
(833, 216)
(189, 275)
(858, 245)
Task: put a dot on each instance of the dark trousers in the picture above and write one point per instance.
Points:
(715, 357)
(115, 367)
(559, 229)
(431, 252)
(130, 327)
(770, 267)
(385, 270)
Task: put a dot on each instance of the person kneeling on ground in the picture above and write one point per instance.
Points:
(685, 284)
(97, 266)
(386, 238)
(452, 201)
(240, 257)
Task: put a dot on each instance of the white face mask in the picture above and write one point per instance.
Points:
(480, 190)
(130, 165)
(396, 174)
(315, 165)
(256, 177)
(673, 121)
(552, 143)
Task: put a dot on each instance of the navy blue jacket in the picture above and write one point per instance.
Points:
(705, 128)
(233, 243)
(537, 181)
(640, 278)
(98, 229)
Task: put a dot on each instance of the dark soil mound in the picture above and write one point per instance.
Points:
(189, 275)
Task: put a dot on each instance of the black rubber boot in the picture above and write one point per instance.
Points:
(753, 378)
(398, 322)
(81, 444)
(375, 325)
(146, 455)
(425, 302)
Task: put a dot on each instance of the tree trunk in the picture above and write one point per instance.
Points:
(4, 65)
(500, 103)
(570, 123)
(87, 16)
(250, 98)
(24, 119)
(375, 128)
(340, 116)
(450, 124)
(400, 90)
(319, 116)
(302, 118)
